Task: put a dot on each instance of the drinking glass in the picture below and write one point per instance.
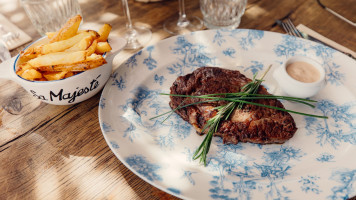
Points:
(182, 24)
(136, 36)
(222, 13)
(50, 15)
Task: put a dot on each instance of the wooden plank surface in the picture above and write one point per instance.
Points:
(58, 152)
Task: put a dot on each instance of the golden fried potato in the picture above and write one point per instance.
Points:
(91, 62)
(68, 30)
(68, 51)
(51, 76)
(104, 32)
(92, 48)
(31, 74)
(64, 44)
(50, 35)
(102, 47)
(58, 58)
(82, 45)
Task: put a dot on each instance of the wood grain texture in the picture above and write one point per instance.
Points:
(58, 152)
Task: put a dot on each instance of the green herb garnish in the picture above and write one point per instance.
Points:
(236, 101)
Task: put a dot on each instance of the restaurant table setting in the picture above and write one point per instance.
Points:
(109, 132)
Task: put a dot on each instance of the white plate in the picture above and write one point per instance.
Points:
(317, 163)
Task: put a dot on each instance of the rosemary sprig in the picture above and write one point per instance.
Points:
(225, 112)
(236, 100)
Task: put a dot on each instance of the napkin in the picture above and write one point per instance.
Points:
(7, 27)
(305, 30)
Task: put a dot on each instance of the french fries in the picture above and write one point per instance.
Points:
(104, 33)
(68, 30)
(102, 47)
(68, 52)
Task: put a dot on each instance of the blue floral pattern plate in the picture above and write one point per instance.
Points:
(317, 163)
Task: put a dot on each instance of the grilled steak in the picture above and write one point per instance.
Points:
(250, 124)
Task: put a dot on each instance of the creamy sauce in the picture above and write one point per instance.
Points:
(303, 72)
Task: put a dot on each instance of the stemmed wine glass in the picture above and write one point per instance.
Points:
(136, 36)
(183, 24)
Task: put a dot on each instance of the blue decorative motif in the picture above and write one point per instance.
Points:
(114, 144)
(275, 167)
(218, 38)
(178, 129)
(334, 76)
(131, 133)
(141, 165)
(159, 79)
(147, 101)
(119, 82)
(132, 61)
(107, 128)
(325, 157)
(330, 131)
(255, 67)
(188, 175)
(309, 184)
(346, 178)
(102, 103)
(229, 52)
(323, 51)
(191, 56)
(249, 41)
(174, 190)
(289, 46)
(150, 62)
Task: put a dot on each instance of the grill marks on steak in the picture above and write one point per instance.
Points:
(251, 124)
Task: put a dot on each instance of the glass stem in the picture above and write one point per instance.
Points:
(182, 21)
(131, 33)
(127, 14)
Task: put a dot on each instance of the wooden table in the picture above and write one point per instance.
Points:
(58, 152)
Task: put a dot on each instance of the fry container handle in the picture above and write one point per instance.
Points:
(6, 68)
(117, 44)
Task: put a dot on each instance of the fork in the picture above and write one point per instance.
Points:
(290, 28)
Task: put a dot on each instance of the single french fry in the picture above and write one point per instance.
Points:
(58, 58)
(91, 49)
(63, 44)
(51, 76)
(68, 30)
(31, 74)
(82, 45)
(69, 74)
(50, 35)
(104, 32)
(102, 47)
(23, 67)
(91, 62)
(30, 53)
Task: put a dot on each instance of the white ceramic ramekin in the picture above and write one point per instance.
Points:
(297, 88)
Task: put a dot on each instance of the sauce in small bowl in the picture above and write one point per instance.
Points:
(300, 77)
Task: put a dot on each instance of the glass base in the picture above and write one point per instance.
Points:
(137, 37)
(222, 26)
(174, 27)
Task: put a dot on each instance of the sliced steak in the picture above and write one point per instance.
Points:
(251, 124)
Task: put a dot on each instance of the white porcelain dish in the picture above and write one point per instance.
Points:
(296, 88)
(67, 91)
(317, 163)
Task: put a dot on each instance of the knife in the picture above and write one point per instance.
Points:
(309, 34)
